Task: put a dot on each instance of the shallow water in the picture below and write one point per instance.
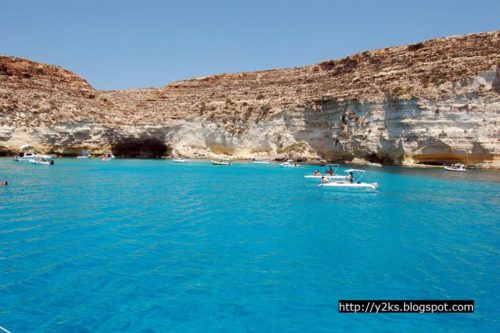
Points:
(153, 246)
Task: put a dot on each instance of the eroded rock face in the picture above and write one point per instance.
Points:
(433, 102)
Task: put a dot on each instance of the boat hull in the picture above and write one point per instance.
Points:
(335, 177)
(50, 162)
(454, 169)
(220, 163)
(290, 165)
(352, 187)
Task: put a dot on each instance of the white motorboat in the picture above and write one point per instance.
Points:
(260, 162)
(107, 157)
(456, 167)
(179, 160)
(352, 184)
(331, 174)
(376, 165)
(41, 160)
(25, 156)
(84, 154)
(220, 162)
(326, 177)
(290, 164)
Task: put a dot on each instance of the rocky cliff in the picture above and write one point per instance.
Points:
(433, 102)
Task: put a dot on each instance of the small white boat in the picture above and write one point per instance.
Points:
(107, 157)
(331, 174)
(179, 160)
(352, 184)
(376, 165)
(260, 162)
(326, 176)
(84, 154)
(27, 154)
(25, 157)
(41, 160)
(221, 162)
(456, 167)
(290, 164)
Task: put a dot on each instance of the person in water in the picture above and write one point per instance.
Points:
(317, 173)
(5, 183)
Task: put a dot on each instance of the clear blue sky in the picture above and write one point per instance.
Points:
(123, 44)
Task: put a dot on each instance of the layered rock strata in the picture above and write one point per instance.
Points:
(433, 102)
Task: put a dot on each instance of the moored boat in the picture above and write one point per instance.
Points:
(220, 162)
(330, 174)
(327, 176)
(41, 160)
(179, 160)
(84, 154)
(372, 164)
(260, 161)
(107, 157)
(456, 167)
(290, 164)
(25, 156)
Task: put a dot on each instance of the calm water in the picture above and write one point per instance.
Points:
(152, 246)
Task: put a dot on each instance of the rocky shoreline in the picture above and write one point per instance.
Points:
(430, 103)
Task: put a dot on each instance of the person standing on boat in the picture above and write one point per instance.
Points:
(350, 178)
(330, 171)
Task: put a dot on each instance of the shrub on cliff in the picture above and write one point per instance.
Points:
(298, 147)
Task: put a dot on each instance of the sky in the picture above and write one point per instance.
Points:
(119, 44)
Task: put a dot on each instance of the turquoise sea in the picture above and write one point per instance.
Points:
(153, 246)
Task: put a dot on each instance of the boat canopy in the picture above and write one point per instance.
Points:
(357, 174)
(355, 170)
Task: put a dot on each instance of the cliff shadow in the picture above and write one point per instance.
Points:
(322, 127)
(496, 82)
(140, 148)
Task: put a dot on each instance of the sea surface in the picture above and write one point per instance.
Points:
(154, 246)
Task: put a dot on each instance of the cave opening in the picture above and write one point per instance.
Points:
(380, 158)
(140, 148)
(4, 153)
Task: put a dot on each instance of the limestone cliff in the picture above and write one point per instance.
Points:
(433, 102)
